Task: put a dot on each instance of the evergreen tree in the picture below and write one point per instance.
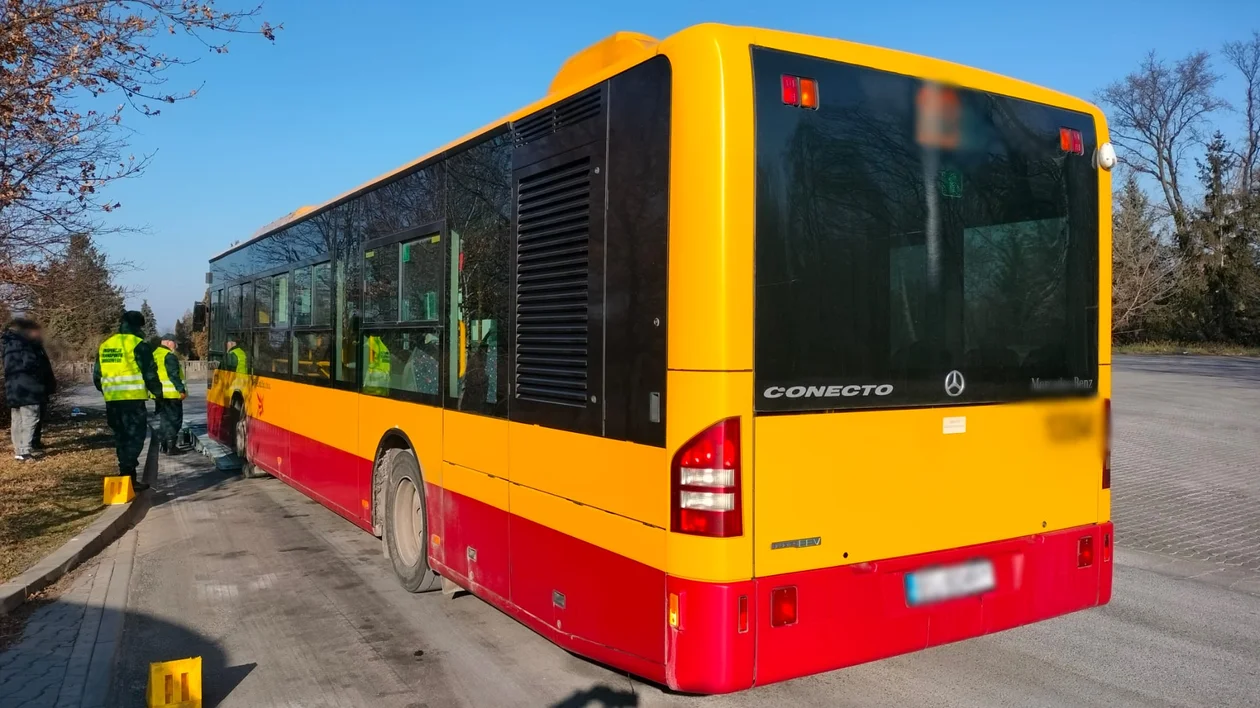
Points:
(76, 298)
(150, 320)
(1222, 237)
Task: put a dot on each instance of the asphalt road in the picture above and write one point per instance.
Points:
(290, 606)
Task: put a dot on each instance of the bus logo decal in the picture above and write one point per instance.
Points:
(955, 384)
(828, 391)
(797, 543)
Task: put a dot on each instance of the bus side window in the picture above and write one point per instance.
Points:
(479, 195)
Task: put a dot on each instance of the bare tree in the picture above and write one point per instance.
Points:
(1157, 113)
(1245, 57)
(61, 142)
(1142, 265)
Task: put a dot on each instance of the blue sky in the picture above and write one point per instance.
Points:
(353, 89)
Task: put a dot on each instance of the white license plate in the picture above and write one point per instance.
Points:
(937, 584)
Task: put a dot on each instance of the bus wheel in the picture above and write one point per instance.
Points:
(240, 440)
(405, 522)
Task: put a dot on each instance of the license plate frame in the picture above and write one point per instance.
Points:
(934, 584)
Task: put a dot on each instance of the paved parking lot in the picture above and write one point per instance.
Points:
(1186, 475)
(290, 605)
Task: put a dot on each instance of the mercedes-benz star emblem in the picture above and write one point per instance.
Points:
(954, 383)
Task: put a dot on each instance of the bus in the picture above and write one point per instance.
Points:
(741, 355)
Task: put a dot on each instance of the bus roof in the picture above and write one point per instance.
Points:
(622, 50)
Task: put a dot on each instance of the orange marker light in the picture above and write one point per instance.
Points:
(809, 94)
(673, 610)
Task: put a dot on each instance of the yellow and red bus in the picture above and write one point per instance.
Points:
(739, 356)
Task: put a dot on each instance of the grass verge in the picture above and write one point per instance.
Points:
(46, 501)
(1208, 348)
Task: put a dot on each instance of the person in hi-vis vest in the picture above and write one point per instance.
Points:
(235, 359)
(170, 405)
(377, 373)
(126, 374)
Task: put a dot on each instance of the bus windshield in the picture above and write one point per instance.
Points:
(918, 244)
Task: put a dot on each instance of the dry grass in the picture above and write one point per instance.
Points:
(45, 502)
(1184, 348)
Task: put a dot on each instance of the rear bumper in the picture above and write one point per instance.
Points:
(852, 614)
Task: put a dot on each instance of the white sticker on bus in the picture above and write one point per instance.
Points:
(954, 425)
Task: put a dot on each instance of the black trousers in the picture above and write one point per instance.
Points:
(170, 413)
(130, 422)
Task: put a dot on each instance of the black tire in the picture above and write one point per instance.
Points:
(240, 440)
(406, 522)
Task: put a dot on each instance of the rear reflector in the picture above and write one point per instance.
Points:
(1085, 552)
(1106, 467)
(783, 606)
(741, 623)
(1106, 548)
(705, 490)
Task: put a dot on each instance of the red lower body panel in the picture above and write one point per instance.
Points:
(852, 614)
(615, 610)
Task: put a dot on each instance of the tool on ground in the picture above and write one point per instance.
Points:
(175, 684)
(118, 490)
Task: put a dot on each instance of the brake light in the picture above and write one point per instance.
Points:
(1085, 552)
(1106, 471)
(783, 606)
(706, 499)
(1071, 141)
(791, 90)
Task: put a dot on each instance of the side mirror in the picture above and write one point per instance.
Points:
(199, 316)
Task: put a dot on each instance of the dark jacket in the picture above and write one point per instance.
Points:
(144, 359)
(28, 375)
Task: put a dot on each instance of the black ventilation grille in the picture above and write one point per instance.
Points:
(570, 111)
(552, 291)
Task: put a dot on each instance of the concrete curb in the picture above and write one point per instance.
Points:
(100, 533)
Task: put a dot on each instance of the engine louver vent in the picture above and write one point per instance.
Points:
(552, 291)
(568, 112)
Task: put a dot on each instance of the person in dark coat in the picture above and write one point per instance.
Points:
(28, 383)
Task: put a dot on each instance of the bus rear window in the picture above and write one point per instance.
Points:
(906, 259)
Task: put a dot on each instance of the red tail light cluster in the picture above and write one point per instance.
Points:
(1106, 471)
(1071, 141)
(706, 499)
(800, 91)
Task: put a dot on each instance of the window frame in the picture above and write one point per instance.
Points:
(368, 329)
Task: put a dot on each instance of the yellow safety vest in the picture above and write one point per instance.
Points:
(120, 374)
(168, 386)
(242, 364)
(377, 373)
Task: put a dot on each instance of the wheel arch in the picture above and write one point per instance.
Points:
(391, 439)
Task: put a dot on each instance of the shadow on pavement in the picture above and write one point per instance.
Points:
(39, 670)
(147, 639)
(600, 696)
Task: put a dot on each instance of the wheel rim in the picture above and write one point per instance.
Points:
(408, 522)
